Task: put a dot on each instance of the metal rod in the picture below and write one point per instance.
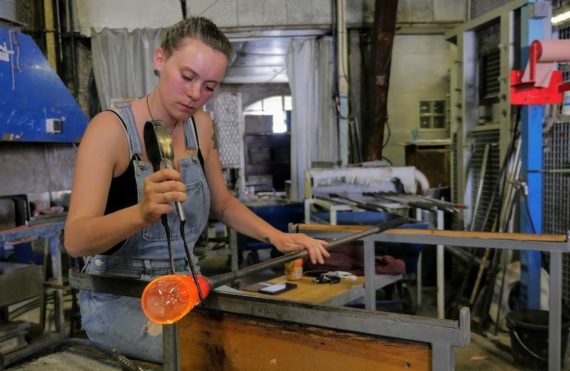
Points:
(369, 275)
(190, 262)
(511, 177)
(482, 174)
(555, 171)
(222, 279)
(406, 201)
(441, 204)
(419, 266)
(440, 273)
(555, 318)
(504, 260)
(349, 201)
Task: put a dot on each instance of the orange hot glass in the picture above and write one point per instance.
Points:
(167, 299)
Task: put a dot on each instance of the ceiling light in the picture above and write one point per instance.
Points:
(560, 18)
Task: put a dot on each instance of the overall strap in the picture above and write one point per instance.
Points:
(131, 127)
(125, 129)
(192, 140)
(191, 134)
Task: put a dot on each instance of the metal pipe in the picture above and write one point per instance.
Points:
(507, 206)
(342, 80)
(224, 278)
(440, 250)
(70, 32)
(480, 187)
(49, 34)
(57, 29)
(419, 218)
(555, 315)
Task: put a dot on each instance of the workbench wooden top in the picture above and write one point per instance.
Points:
(310, 292)
(307, 228)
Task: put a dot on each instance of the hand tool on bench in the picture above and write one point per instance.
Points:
(169, 298)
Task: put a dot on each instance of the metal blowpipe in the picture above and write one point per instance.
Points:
(222, 279)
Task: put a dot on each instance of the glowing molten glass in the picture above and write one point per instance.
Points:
(169, 298)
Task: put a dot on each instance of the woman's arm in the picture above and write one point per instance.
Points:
(104, 153)
(230, 211)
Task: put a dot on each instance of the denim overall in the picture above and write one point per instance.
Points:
(118, 322)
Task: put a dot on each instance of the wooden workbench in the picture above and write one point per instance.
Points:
(225, 341)
(336, 294)
(310, 292)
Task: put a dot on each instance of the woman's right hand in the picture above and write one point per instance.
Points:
(160, 190)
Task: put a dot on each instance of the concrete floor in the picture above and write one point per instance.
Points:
(481, 354)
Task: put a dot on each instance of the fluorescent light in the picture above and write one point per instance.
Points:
(559, 18)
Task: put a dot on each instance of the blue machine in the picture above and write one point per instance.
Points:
(35, 105)
(532, 28)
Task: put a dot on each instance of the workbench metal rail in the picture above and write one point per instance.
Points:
(359, 291)
(334, 208)
(442, 335)
(509, 241)
(555, 245)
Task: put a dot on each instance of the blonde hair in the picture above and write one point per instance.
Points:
(199, 28)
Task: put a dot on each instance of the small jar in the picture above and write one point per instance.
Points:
(294, 270)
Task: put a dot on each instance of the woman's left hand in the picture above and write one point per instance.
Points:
(291, 242)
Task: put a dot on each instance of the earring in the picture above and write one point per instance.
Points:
(156, 72)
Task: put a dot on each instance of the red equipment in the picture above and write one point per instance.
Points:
(527, 92)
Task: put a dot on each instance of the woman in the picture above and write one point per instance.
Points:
(117, 201)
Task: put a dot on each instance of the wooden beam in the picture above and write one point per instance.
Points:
(383, 39)
(433, 232)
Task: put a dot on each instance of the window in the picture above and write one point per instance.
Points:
(275, 106)
(432, 114)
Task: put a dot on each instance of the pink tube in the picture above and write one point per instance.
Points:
(554, 50)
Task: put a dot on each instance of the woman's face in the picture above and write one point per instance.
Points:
(189, 76)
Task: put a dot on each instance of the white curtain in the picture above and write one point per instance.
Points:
(314, 134)
(327, 145)
(122, 62)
